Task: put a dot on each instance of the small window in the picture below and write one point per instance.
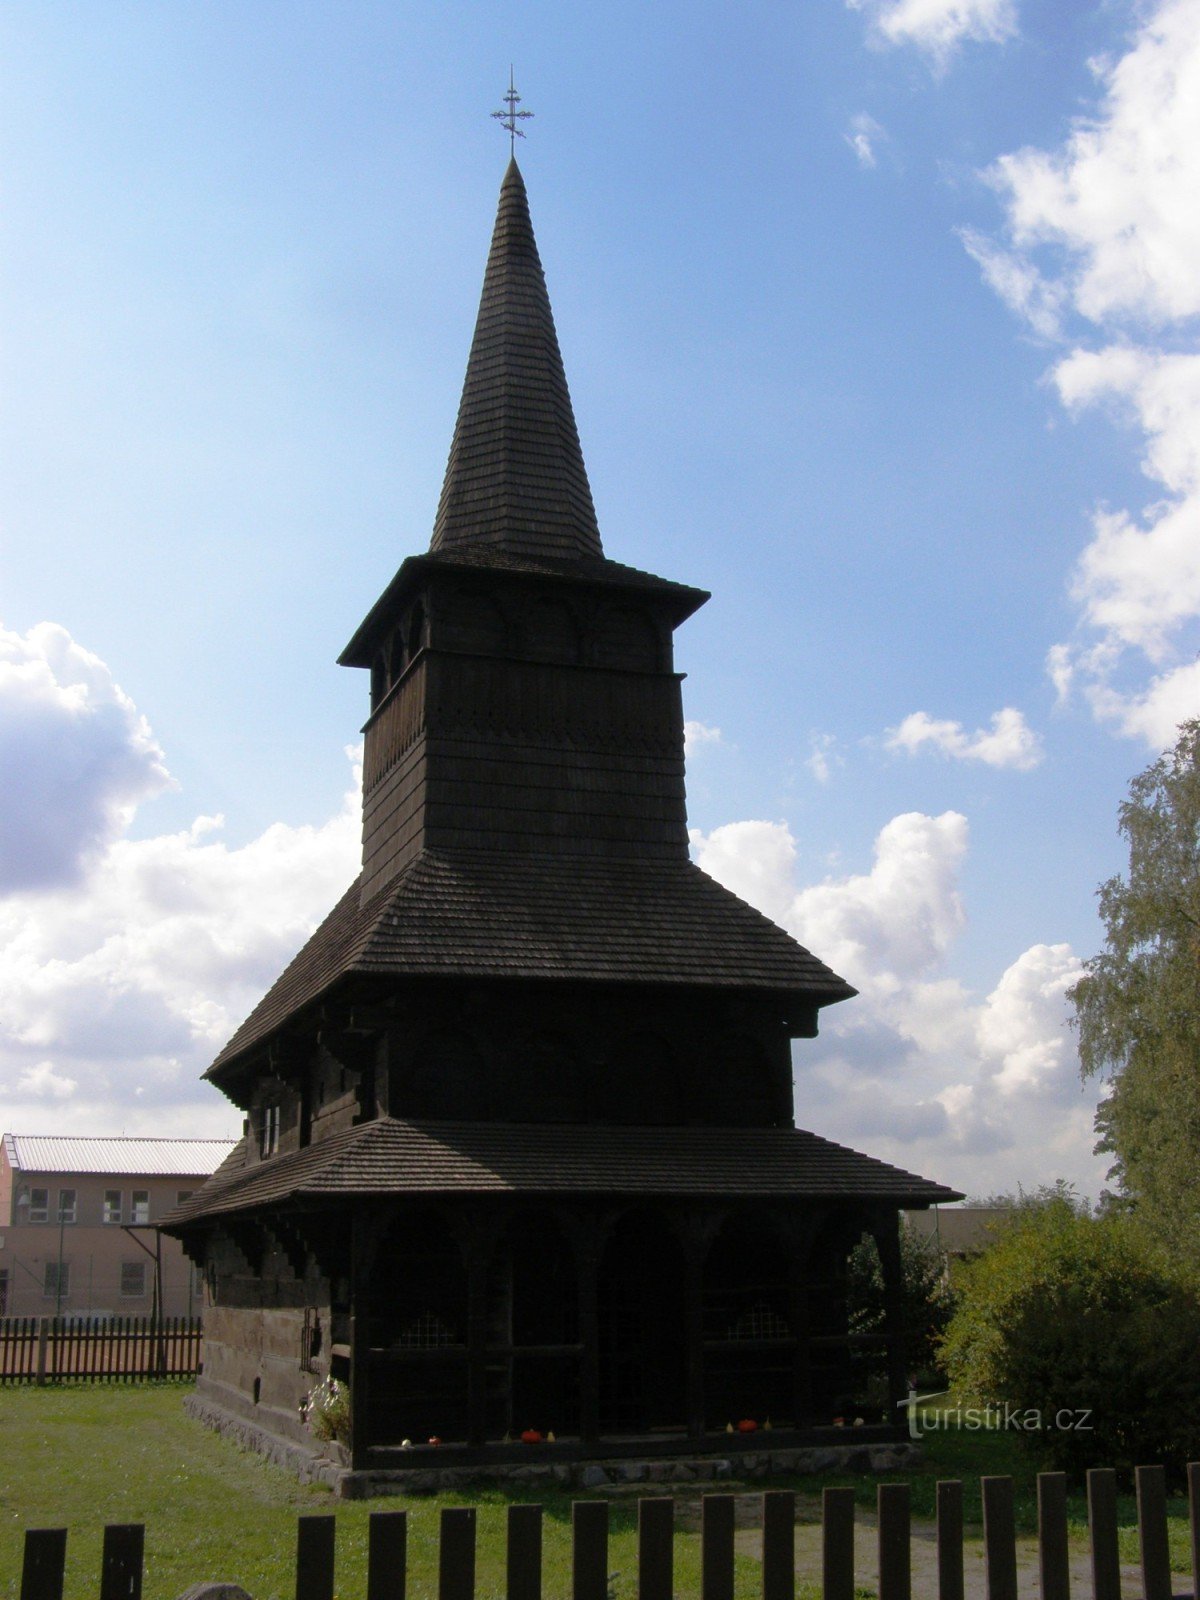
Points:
(183, 1194)
(268, 1139)
(133, 1280)
(56, 1282)
(66, 1205)
(112, 1205)
(140, 1207)
(39, 1205)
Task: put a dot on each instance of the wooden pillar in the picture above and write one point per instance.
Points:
(477, 1257)
(885, 1231)
(695, 1248)
(800, 1238)
(364, 1234)
(588, 1240)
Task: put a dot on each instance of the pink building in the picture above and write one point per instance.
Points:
(78, 1224)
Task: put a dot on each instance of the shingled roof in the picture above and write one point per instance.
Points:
(515, 477)
(393, 1157)
(487, 915)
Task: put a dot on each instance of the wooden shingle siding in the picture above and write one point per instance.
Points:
(528, 915)
(516, 476)
(393, 1157)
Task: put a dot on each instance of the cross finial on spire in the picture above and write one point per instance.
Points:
(509, 119)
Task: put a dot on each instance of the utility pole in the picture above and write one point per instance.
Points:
(62, 1217)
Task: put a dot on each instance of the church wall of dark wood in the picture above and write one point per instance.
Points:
(393, 816)
(592, 1055)
(471, 1051)
(270, 1332)
(523, 618)
(527, 755)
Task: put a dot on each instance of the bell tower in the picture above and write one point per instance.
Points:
(523, 692)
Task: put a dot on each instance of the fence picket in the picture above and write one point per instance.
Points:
(121, 1561)
(837, 1544)
(456, 1558)
(895, 1556)
(589, 1556)
(716, 1547)
(1102, 1527)
(999, 1538)
(779, 1545)
(1152, 1532)
(1054, 1566)
(656, 1549)
(950, 1539)
(387, 1555)
(44, 1563)
(523, 1553)
(91, 1349)
(122, 1557)
(315, 1538)
(1193, 1477)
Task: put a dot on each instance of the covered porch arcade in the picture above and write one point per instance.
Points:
(615, 1291)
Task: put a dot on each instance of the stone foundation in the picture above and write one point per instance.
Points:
(315, 1463)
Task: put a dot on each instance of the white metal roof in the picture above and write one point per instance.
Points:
(149, 1158)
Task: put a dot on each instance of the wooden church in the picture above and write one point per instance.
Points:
(519, 1154)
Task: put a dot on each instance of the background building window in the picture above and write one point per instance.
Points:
(39, 1205)
(66, 1205)
(112, 1205)
(133, 1280)
(183, 1194)
(56, 1281)
(140, 1207)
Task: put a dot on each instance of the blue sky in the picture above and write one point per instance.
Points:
(880, 323)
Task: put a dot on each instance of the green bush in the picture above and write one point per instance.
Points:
(927, 1302)
(1075, 1323)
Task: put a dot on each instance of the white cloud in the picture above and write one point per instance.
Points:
(1155, 712)
(1105, 230)
(41, 1082)
(76, 756)
(982, 1092)
(1010, 742)
(1018, 283)
(1119, 197)
(938, 27)
(754, 859)
(898, 918)
(864, 135)
(1022, 1024)
(118, 986)
(1138, 581)
(698, 734)
(823, 756)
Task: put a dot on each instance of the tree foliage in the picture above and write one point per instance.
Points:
(1137, 1007)
(1084, 1330)
(927, 1300)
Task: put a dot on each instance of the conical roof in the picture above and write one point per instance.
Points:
(515, 481)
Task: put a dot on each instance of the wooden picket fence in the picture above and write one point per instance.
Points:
(93, 1349)
(121, 1559)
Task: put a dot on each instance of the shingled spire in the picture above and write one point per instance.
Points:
(515, 481)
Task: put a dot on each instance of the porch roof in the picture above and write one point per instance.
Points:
(390, 1157)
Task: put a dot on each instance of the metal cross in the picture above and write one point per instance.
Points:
(509, 119)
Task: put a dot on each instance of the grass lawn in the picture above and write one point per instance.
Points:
(82, 1457)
